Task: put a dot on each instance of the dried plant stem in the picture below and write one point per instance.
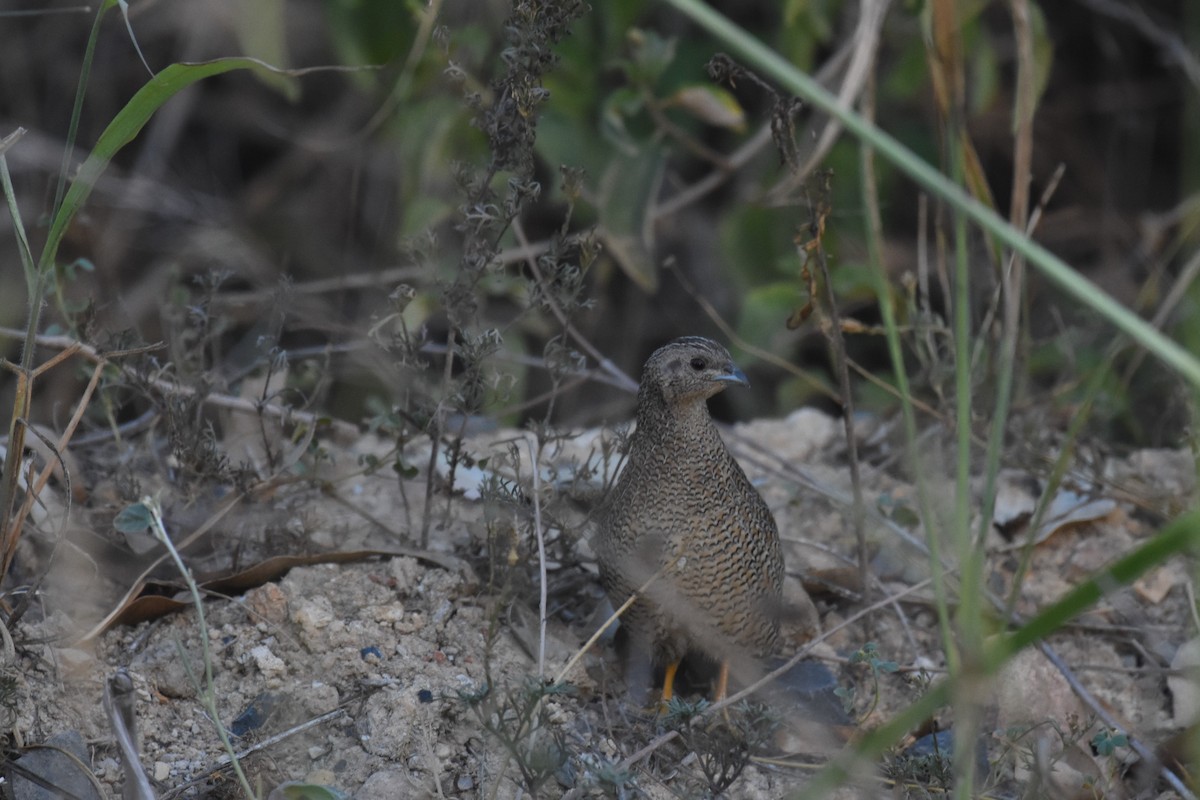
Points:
(138, 583)
(43, 478)
(1012, 279)
(270, 741)
(18, 425)
(535, 454)
(612, 618)
(864, 45)
(606, 365)
(701, 188)
(207, 692)
(283, 413)
(837, 345)
(1174, 296)
(435, 441)
(1104, 715)
(119, 703)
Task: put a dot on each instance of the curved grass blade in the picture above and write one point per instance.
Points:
(130, 120)
(762, 57)
(1178, 538)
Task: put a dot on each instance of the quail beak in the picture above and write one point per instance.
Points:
(732, 375)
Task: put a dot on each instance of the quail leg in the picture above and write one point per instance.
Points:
(722, 683)
(669, 682)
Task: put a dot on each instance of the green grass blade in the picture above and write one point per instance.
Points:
(15, 210)
(1179, 537)
(124, 127)
(85, 73)
(770, 63)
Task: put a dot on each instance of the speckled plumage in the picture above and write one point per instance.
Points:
(682, 494)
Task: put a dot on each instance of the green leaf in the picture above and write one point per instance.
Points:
(297, 790)
(125, 127)
(133, 519)
(765, 308)
(626, 192)
(652, 54)
(771, 65)
(15, 211)
(260, 26)
(620, 105)
(711, 105)
(1043, 58)
(1106, 741)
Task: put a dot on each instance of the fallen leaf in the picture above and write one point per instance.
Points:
(1155, 584)
(151, 599)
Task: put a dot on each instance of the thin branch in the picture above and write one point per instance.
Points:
(732, 335)
(270, 741)
(283, 413)
(364, 280)
(535, 455)
(1107, 718)
(743, 155)
(612, 619)
(865, 45)
(1175, 48)
(606, 365)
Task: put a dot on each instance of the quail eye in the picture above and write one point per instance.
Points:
(698, 364)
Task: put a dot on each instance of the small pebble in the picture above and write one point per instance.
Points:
(443, 612)
(74, 660)
(267, 662)
(321, 777)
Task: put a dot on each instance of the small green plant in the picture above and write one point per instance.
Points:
(1036, 748)
(724, 744)
(594, 771)
(680, 712)
(929, 771)
(1106, 741)
(147, 514)
(519, 720)
(868, 654)
(720, 746)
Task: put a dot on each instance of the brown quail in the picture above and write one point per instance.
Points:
(683, 505)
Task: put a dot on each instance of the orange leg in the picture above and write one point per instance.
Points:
(722, 683)
(669, 682)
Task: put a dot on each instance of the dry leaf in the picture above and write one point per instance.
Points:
(1158, 582)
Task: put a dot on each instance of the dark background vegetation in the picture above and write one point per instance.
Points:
(335, 180)
(475, 214)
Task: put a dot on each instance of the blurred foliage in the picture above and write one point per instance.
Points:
(473, 201)
(342, 173)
